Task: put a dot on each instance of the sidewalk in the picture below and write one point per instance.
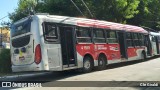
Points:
(23, 74)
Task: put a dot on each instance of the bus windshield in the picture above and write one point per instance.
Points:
(20, 28)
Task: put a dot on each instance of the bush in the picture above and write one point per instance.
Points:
(5, 61)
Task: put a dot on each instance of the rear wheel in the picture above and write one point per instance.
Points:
(102, 62)
(87, 64)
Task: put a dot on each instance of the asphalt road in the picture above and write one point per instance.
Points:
(136, 75)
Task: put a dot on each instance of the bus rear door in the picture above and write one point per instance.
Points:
(123, 44)
(148, 45)
(67, 35)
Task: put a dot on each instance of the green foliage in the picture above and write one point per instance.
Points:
(136, 12)
(116, 10)
(23, 9)
(149, 14)
(5, 61)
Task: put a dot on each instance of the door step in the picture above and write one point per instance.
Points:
(123, 59)
(68, 68)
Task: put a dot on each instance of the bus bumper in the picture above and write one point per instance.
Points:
(22, 68)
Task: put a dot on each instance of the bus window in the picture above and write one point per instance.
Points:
(98, 35)
(21, 28)
(135, 39)
(153, 38)
(83, 35)
(111, 37)
(129, 40)
(158, 39)
(141, 39)
(50, 32)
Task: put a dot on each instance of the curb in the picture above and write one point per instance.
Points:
(24, 75)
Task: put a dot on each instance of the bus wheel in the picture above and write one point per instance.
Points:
(102, 62)
(143, 55)
(87, 64)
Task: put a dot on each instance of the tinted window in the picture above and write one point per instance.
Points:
(111, 37)
(111, 34)
(135, 36)
(99, 36)
(154, 38)
(21, 28)
(129, 39)
(141, 39)
(129, 36)
(20, 42)
(99, 33)
(135, 39)
(50, 32)
(158, 38)
(83, 34)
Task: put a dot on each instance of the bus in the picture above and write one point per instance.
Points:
(57, 43)
(155, 42)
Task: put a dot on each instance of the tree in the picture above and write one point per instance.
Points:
(114, 10)
(23, 10)
(148, 16)
(136, 12)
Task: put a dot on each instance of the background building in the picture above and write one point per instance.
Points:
(4, 37)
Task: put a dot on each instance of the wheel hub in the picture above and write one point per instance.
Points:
(87, 64)
(101, 62)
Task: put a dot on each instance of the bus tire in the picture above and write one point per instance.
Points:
(87, 64)
(102, 62)
(143, 55)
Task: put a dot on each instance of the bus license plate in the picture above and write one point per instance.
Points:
(21, 58)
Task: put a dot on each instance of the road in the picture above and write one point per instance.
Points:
(116, 75)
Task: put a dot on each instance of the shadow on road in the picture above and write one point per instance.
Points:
(130, 63)
(54, 76)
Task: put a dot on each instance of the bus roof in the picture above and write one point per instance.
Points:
(155, 33)
(91, 23)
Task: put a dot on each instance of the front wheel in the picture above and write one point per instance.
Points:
(87, 64)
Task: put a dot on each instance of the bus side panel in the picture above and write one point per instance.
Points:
(82, 50)
(132, 53)
(54, 57)
(38, 39)
(113, 52)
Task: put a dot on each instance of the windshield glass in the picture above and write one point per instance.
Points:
(21, 28)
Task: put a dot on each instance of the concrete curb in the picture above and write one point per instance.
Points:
(24, 75)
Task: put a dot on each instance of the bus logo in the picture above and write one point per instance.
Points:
(6, 84)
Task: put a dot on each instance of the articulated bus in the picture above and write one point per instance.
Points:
(155, 42)
(57, 43)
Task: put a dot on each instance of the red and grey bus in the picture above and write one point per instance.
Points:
(155, 42)
(57, 43)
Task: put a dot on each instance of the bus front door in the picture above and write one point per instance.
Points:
(148, 45)
(123, 44)
(67, 36)
(157, 44)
